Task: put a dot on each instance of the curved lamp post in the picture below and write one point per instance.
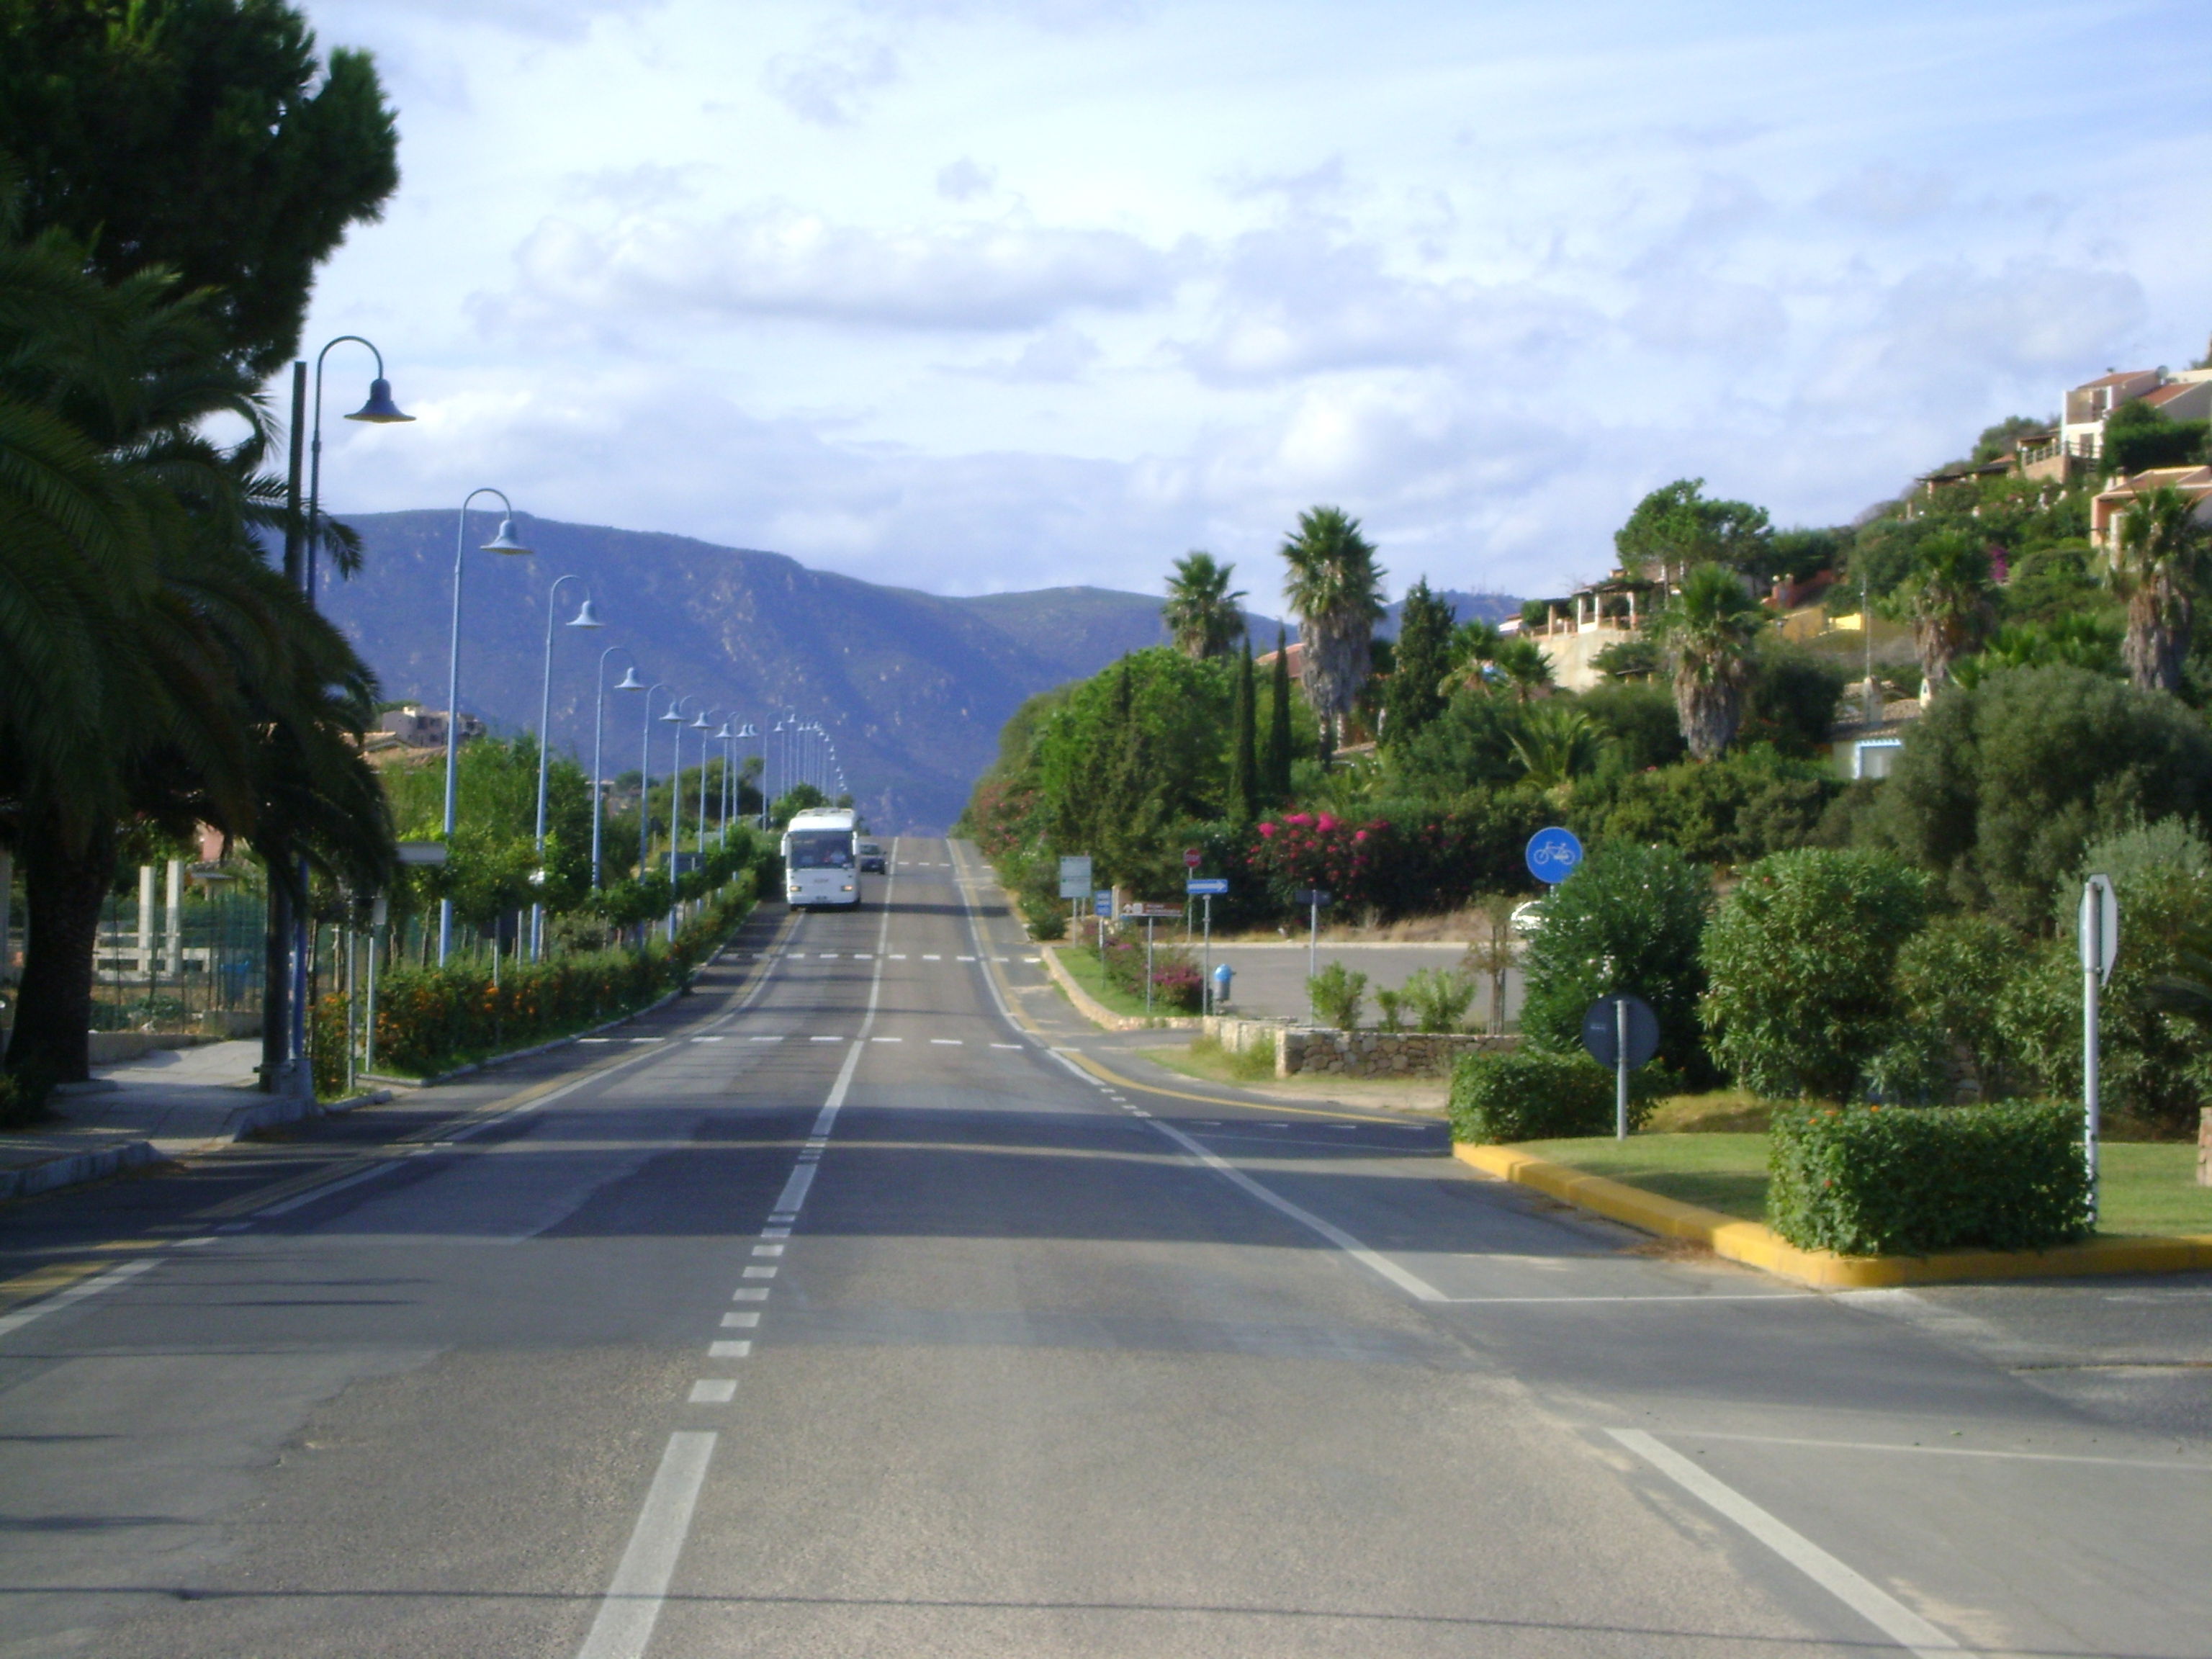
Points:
(727, 739)
(673, 715)
(504, 542)
(705, 727)
(645, 778)
(630, 683)
(585, 618)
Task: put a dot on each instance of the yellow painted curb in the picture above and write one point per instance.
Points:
(1760, 1247)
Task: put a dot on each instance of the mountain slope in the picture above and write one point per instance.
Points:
(914, 687)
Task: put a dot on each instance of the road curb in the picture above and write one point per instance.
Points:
(1759, 1247)
(76, 1168)
(1099, 1014)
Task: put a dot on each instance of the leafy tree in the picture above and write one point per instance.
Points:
(1740, 807)
(199, 135)
(1791, 702)
(1676, 528)
(2158, 565)
(1800, 957)
(1423, 663)
(1636, 658)
(1201, 613)
(1630, 919)
(1336, 587)
(2090, 641)
(1535, 613)
(2055, 581)
(1474, 646)
(1710, 632)
(1793, 555)
(1951, 598)
(1275, 764)
(1999, 441)
(1469, 745)
(1244, 802)
(1636, 721)
(2000, 787)
(216, 695)
(2140, 435)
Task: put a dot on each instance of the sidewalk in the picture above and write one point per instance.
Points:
(164, 1105)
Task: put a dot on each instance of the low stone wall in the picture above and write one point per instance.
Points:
(1378, 1054)
(1299, 1048)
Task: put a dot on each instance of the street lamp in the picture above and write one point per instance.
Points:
(503, 542)
(585, 618)
(630, 683)
(728, 738)
(284, 986)
(705, 727)
(673, 716)
(645, 779)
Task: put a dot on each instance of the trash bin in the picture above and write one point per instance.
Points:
(1222, 975)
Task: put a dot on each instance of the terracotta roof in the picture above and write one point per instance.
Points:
(2166, 394)
(2116, 378)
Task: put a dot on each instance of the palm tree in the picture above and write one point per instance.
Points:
(215, 693)
(1201, 614)
(1336, 588)
(1554, 742)
(1710, 632)
(2157, 564)
(1952, 599)
(1524, 670)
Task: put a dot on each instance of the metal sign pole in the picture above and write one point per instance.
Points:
(1621, 1070)
(1313, 933)
(1207, 900)
(2092, 955)
(1148, 967)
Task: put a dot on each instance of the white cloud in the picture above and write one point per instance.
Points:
(830, 84)
(1006, 273)
(965, 179)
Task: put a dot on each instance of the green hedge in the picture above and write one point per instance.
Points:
(430, 1020)
(1499, 1098)
(1906, 1181)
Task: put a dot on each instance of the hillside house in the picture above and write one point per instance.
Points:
(2106, 506)
(1577, 628)
(2182, 395)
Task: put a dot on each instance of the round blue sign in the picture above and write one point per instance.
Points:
(1552, 855)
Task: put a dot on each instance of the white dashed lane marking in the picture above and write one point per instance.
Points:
(714, 1391)
(729, 1350)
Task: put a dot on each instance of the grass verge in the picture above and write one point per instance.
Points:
(1081, 965)
(2148, 1189)
(1206, 1060)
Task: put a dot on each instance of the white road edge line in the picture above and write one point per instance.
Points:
(633, 1602)
(1946, 1452)
(1869, 1600)
(77, 1292)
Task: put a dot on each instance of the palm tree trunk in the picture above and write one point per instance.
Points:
(2155, 649)
(1709, 716)
(63, 891)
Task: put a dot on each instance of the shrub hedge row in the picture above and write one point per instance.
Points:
(1891, 1180)
(1499, 1098)
(428, 1019)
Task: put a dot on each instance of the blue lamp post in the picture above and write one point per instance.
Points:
(645, 780)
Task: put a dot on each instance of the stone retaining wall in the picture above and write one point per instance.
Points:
(1301, 1048)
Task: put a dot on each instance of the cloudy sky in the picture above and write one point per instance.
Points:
(981, 294)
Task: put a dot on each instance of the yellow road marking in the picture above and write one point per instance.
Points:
(45, 1281)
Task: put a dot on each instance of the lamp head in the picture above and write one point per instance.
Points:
(505, 541)
(379, 409)
(630, 681)
(700, 723)
(669, 715)
(586, 617)
(723, 736)
(749, 731)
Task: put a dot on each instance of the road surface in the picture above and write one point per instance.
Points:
(860, 1304)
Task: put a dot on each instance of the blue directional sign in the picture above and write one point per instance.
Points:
(1552, 855)
(1103, 901)
(1199, 885)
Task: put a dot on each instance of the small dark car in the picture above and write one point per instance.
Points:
(872, 858)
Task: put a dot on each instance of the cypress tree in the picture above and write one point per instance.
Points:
(1414, 695)
(1275, 777)
(1243, 758)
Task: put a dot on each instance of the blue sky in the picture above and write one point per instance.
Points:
(971, 296)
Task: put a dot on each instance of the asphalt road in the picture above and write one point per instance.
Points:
(858, 1304)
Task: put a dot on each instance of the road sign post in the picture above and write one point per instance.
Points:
(2099, 941)
(1622, 1032)
(1075, 887)
(1203, 888)
(1313, 899)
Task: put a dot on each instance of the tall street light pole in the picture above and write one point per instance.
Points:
(704, 725)
(674, 716)
(504, 542)
(645, 782)
(284, 955)
(630, 683)
(746, 733)
(728, 739)
(585, 618)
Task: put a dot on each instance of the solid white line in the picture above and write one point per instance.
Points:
(1950, 1451)
(794, 1190)
(76, 1293)
(714, 1391)
(1869, 1600)
(1724, 1296)
(382, 1166)
(1415, 1287)
(632, 1607)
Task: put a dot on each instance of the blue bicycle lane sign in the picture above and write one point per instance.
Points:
(1552, 855)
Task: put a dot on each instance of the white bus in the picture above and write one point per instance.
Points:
(820, 857)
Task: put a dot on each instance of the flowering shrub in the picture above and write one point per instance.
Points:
(1176, 984)
(429, 1019)
(1397, 862)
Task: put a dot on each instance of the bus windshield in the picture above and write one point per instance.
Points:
(820, 849)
